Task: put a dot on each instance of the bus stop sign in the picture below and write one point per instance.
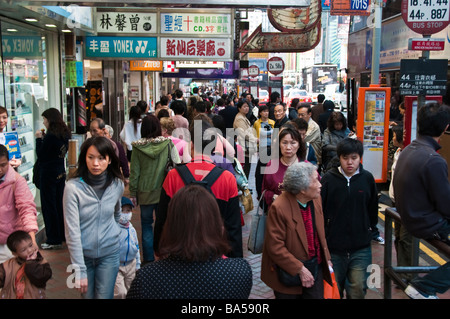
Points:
(275, 65)
(426, 16)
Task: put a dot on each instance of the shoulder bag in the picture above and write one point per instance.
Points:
(169, 164)
(258, 228)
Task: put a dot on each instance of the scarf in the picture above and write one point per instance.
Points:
(20, 282)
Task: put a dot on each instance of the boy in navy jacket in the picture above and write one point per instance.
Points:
(350, 207)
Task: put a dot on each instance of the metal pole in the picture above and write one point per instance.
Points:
(376, 43)
(421, 100)
(325, 37)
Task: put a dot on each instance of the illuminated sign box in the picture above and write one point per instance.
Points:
(137, 65)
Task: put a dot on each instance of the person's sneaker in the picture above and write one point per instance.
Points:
(46, 246)
(413, 293)
(379, 240)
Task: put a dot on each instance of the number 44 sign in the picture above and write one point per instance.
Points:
(426, 16)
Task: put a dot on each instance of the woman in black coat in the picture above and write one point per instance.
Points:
(51, 149)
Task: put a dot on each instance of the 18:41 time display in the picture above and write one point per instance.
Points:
(428, 10)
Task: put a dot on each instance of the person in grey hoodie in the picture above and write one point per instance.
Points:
(92, 206)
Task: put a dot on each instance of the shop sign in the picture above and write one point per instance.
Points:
(230, 71)
(126, 22)
(121, 47)
(203, 48)
(138, 65)
(21, 46)
(200, 64)
(191, 3)
(196, 23)
(74, 74)
(260, 41)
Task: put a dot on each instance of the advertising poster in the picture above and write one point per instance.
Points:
(11, 141)
(373, 129)
(374, 121)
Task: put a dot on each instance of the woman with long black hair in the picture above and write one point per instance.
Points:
(92, 206)
(51, 150)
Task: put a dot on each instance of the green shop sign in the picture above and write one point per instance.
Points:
(121, 47)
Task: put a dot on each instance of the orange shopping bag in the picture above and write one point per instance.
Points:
(331, 291)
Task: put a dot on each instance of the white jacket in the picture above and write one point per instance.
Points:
(128, 135)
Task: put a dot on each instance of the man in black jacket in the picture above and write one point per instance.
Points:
(350, 208)
(422, 194)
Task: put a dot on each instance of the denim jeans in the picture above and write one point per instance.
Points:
(351, 272)
(147, 231)
(102, 274)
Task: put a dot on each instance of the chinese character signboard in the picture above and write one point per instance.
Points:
(428, 44)
(126, 22)
(74, 74)
(196, 23)
(423, 77)
(217, 49)
(121, 47)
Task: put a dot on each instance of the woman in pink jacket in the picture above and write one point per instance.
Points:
(17, 207)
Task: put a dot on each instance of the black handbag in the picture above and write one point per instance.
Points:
(37, 174)
(291, 281)
(311, 264)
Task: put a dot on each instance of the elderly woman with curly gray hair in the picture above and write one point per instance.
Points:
(295, 258)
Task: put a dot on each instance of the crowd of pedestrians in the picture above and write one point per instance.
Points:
(185, 164)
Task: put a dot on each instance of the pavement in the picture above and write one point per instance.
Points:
(57, 286)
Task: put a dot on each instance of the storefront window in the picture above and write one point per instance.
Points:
(24, 89)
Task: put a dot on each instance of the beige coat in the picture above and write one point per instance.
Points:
(285, 242)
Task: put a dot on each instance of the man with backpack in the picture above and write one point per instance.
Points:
(202, 170)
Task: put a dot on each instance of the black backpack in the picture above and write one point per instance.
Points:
(206, 182)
